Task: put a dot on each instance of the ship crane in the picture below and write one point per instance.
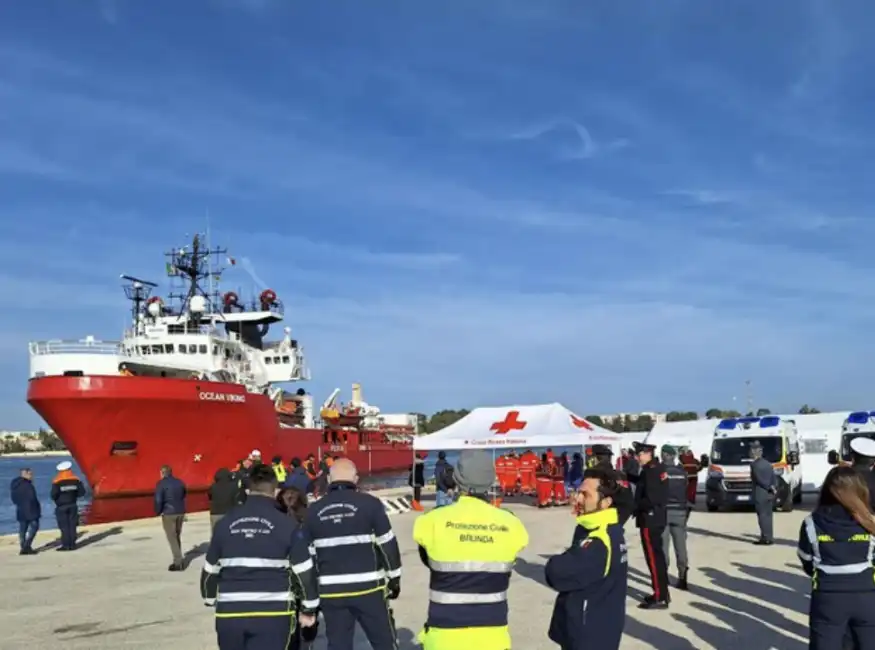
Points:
(356, 414)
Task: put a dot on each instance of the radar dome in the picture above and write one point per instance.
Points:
(197, 304)
(154, 309)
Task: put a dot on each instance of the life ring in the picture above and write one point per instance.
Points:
(230, 298)
(155, 299)
(268, 297)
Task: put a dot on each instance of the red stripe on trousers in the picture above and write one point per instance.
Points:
(651, 562)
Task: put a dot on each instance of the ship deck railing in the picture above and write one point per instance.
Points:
(86, 346)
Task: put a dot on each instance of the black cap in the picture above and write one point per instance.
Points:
(602, 450)
(643, 446)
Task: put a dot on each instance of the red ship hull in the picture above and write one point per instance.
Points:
(121, 430)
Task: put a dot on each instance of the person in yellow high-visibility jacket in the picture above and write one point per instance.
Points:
(279, 469)
(470, 547)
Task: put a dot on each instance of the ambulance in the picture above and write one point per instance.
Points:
(859, 424)
(729, 481)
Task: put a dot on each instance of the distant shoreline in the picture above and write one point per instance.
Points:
(35, 454)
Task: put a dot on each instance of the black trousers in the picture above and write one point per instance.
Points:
(417, 493)
(654, 555)
(68, 521)
(371, 611)
(833, 616)
(255, 633)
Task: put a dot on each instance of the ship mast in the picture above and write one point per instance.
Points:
(194, 264)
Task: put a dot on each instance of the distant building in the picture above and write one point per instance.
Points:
(656, 418)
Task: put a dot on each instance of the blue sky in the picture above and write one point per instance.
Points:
(620, 206)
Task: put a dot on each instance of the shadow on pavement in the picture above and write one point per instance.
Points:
(747, 538)
(635, 594)
(742, 630)
(98, 537)
(194, 553)
(83, 540)
(746, 602)
(657, 637)
(406, 640)
(794, 581)
(768, 593)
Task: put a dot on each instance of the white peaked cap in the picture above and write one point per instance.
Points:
(255, 453)
(64, 465)
(863, 446)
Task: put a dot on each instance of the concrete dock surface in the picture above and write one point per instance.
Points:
(116, 592)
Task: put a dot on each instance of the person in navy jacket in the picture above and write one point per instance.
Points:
(591, 576)
(358, 561)
(27, 510)
(170, 506)
(258, 572)
(836, 544)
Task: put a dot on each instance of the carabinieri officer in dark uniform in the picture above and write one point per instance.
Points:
(651, 499)
(358, 561)
(836, 549)
(257, 566)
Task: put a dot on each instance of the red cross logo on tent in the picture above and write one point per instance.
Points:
(580, 423)
(510, 422)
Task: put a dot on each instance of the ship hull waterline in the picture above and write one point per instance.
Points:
(122, 430)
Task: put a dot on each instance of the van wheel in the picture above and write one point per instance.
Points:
(787, 506)
(712, 507)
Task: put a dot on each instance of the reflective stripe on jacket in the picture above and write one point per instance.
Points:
(836, 551)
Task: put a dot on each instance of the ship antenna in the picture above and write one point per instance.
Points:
(138, 292)
(194, 264)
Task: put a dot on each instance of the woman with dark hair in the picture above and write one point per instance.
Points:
(293, 502)
(836, 544)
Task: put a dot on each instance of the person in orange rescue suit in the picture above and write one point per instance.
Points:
(557, 473)
(528, 467)
(692, 467)
(67, 489)
(513, 469)
(469, 547)
(651, 499)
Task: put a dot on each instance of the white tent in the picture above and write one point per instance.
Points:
(516, 427)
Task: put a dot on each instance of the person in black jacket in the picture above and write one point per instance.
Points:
(256, 571)
(651, 498)
(836, 552)
(224, 494)
(293, 502)
(623, 499)
(27, 509)
(443, 481)
(358, 560)
(67, 489)
(170, 506)
(416, 479)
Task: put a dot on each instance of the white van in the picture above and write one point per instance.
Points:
(859, 424)
(729, 482)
